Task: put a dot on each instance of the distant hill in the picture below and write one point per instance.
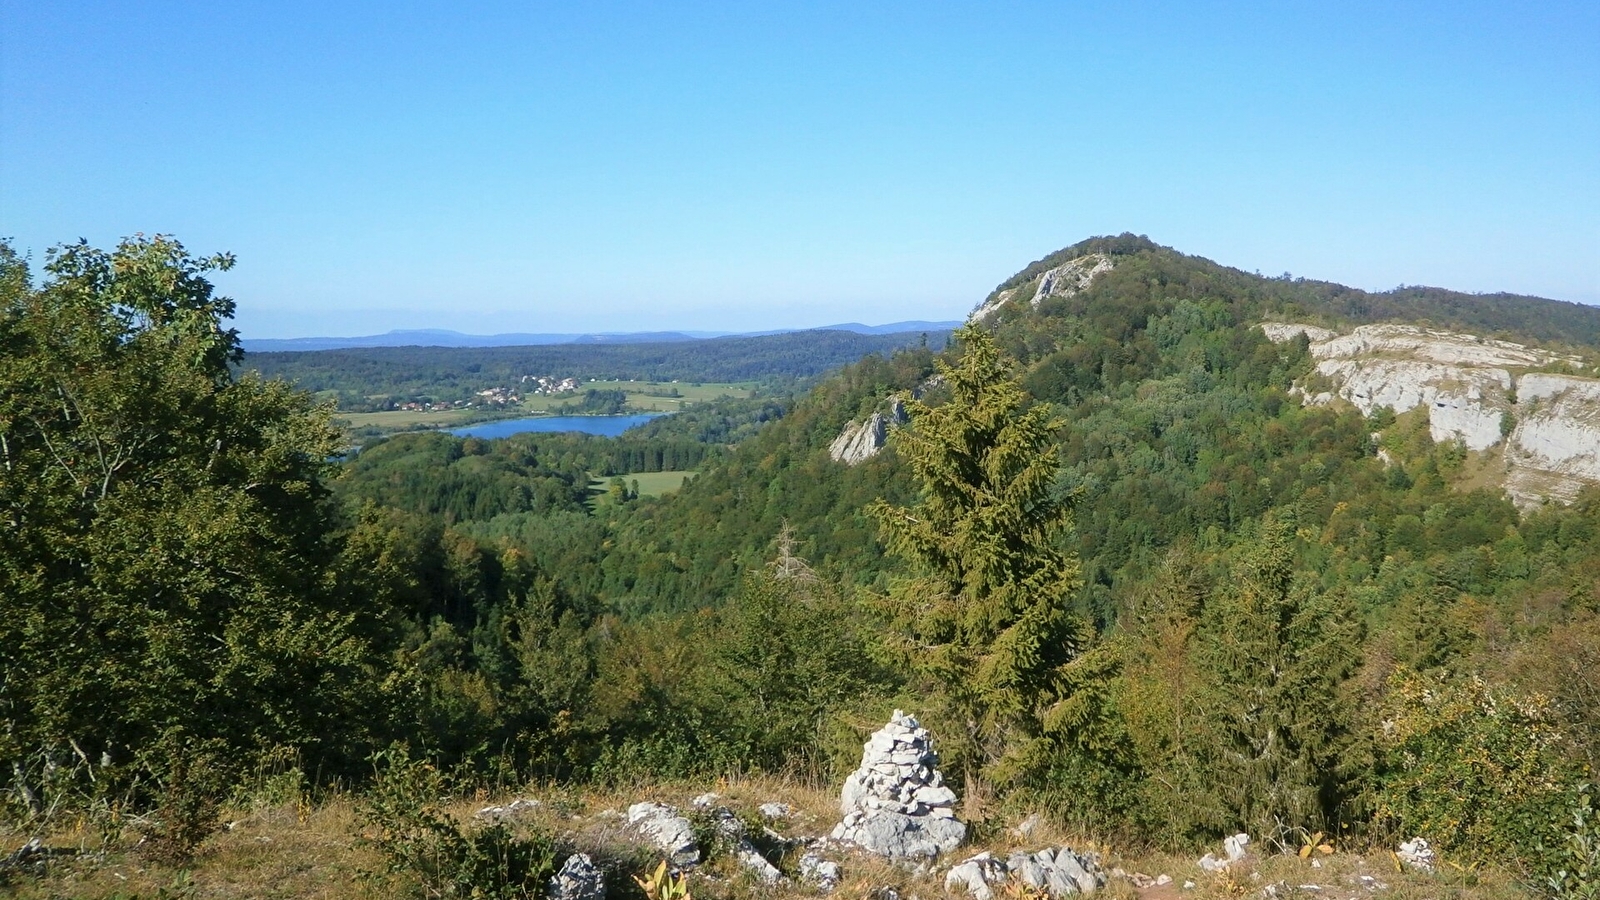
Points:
(439, 337)
(363, 376)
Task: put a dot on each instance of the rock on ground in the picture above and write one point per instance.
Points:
(822, 873)
(1060, 872)
(1417, 854)
(578, 879)
(669, 831)
(1233, 851)
(510, 810)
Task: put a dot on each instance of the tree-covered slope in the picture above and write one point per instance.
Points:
(457, 372)
(1175, 275)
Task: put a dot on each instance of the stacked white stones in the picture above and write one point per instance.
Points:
(896, 803)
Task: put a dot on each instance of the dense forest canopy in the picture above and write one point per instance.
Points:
(1253, 620)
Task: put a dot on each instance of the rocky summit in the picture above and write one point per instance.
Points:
(896, 803)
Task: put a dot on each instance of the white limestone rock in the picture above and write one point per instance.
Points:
(975, 876)
(823, 874)
(858, 442)
(1060, 872)
(508, 811)
(1416, 854)
(757, 865)
(1471, 387)
(578, 879)
(1064, 280)
(1283, 332)
(1071, 277)
(670, 832)
(1232, 850)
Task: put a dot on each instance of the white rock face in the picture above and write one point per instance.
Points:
(1555, 448)
(1464, 404)
(857, 443)
(1063, 281)
(1071, 277)
(1281, 332)
(1468, 386)
(896, 804)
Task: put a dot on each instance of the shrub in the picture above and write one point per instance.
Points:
(1483, 775)
(423, 841)
(1578, 858)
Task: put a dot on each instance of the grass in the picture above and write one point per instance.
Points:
(295, 851)
(651, 484)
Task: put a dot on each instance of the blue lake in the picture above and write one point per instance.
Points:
(608, 426)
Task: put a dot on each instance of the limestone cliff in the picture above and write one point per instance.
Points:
(1064, 280)
(860, 441)
(1530, 405)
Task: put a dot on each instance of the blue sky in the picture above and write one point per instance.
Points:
(614, 166)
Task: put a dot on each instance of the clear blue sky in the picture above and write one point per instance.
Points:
(614, 166)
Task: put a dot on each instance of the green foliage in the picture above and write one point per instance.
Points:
(1274, 652)
(787, 654)
(189, 803)
(1577, 875)
(1484, 774)
(985, 610)
(165, 563)
(403, 820)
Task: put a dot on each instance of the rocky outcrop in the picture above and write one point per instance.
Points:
(1071, 277)
(1555, 447)
(1487, 394)
(861, 441)
(1064, 280)
(1057, 872)
(896, 803)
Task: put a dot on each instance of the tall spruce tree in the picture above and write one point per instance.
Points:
(1275, 652)
(984, 611)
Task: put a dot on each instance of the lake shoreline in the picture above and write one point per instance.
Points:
(600, 425)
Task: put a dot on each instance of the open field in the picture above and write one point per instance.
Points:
(651, 484)
(305, 850)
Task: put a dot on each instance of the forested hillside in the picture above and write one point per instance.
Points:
(1111, 560)
(453, 373)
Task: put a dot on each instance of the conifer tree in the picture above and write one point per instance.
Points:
(984, 613)
(1276, 651)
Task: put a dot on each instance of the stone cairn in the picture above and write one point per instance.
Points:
(896, 804)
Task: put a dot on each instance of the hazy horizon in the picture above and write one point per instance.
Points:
(525, 168)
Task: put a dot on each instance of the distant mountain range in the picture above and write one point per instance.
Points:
(435, 337)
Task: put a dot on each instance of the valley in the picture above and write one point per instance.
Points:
(1154, 550)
